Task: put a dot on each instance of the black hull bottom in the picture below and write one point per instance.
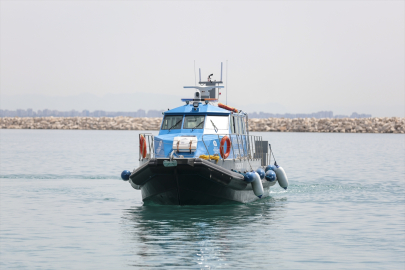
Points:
(192, 185)
(192, 190)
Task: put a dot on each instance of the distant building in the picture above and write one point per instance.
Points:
(362, 115)
(154, 113)
(141, 113)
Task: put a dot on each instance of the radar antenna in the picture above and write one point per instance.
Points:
(209, 78)
(207, 91)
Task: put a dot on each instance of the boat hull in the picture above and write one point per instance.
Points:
(192, 182)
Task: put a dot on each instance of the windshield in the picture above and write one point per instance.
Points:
(172, 122)
(194, 121)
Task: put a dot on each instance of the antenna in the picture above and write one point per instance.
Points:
(221, 72)
(195, 76)
(200, 74)
(226, 89)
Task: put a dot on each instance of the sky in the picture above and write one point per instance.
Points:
(278, 56)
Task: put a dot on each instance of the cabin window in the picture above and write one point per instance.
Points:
(217, 124)
(172, 122)
(242, 125)
(194, 122)
(232, 124)
(237, 125)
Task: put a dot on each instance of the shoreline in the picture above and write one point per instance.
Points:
(338, 125)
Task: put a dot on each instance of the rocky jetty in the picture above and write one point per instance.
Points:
(98, 123)
(343, 125)
(348, 125)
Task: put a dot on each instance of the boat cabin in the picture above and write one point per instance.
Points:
(207, 119)
(194, 129)
(204, 128)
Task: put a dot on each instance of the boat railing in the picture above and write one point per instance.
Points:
(249, 147)
(260, 150)
(243, 147)
(150, 148)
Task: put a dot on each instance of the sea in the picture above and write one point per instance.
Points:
(63, 205)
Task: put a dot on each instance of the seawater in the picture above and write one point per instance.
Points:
(63, 206)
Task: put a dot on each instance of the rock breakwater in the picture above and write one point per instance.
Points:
(344, 125)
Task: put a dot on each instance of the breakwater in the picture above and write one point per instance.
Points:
(343, 125)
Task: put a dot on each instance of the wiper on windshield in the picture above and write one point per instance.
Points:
(198, 125)
(175, 124)
(215, 127)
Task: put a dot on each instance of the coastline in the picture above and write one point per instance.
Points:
(339, 125)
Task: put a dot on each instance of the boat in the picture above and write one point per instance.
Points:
(204, 155)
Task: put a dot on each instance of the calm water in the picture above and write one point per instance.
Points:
(63, 206)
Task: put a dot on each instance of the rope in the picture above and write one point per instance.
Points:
(271, 151)
(250, 164)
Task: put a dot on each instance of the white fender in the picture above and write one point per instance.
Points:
(257, 186)
(282, 177)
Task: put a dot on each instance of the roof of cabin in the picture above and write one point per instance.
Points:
(202, 109)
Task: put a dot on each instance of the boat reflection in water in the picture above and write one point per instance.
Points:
(201, 236)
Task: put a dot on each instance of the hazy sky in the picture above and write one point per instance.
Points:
(307, 56)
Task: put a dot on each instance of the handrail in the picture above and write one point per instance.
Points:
(208, 153)
(240, 155)
(247, 132)
(243, 146)
(248, 153)
(233, 151)
(150, 138)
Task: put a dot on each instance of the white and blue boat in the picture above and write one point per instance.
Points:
(204, 155)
